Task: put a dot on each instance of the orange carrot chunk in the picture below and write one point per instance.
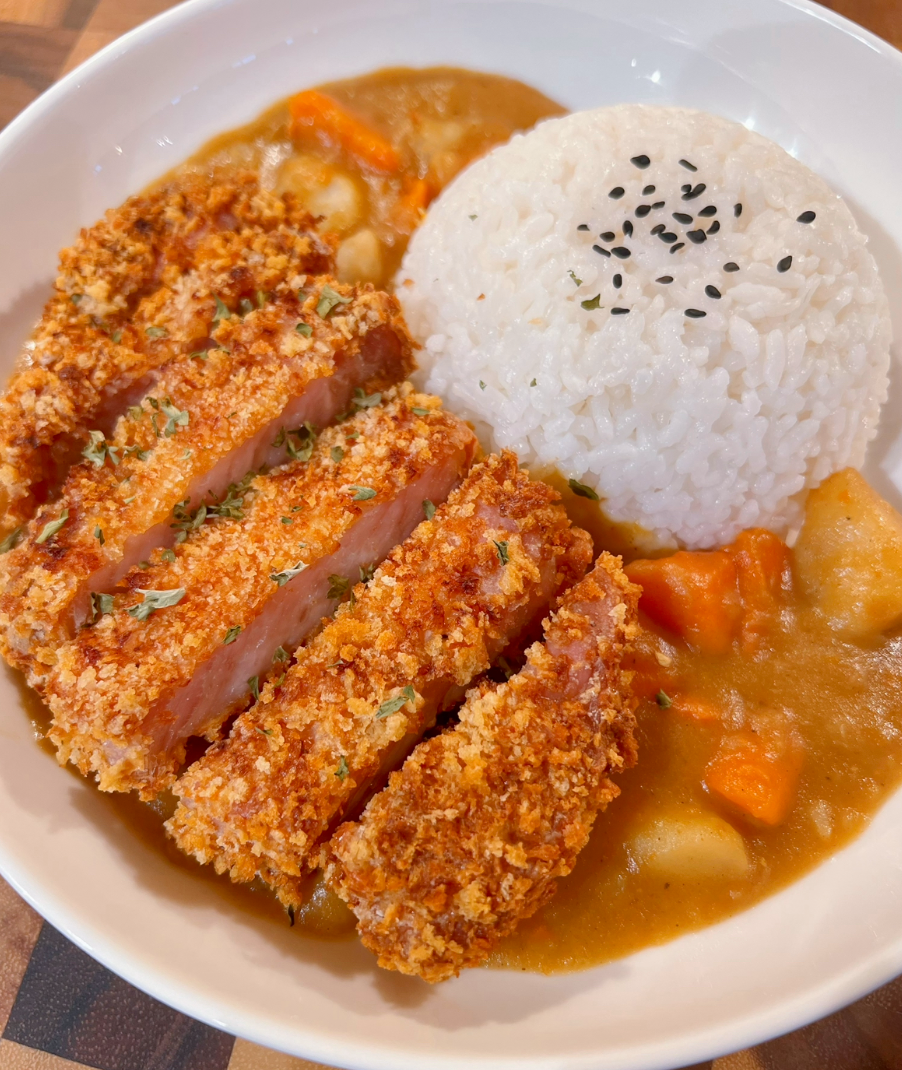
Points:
(761, 786)
(695, 595)
(763, 567)
(314, 112)
(412, 204)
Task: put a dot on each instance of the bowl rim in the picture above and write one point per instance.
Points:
(837, 991)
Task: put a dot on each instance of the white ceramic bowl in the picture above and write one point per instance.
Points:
(828, 92)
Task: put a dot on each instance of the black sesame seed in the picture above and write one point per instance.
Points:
(696, 191)
(616, 193)
(620, 252)
(583, 226)
(608, 235)
(657, 230)
(627, 228)
(619, 311)
(679, 245)
(785, 264)
(657, 205)
(694, 313)
(648, 190)
(643, 210)
(686, 188)
(682, 217)
(665, 279)
(712, 291)
(689, 166)
(696, 236)
(598, 249)
(737, 210)
(730, 266)
(709, 209)
(618, 280)
(806, 217)
(640, 161)
(668, 236)
(714, 228)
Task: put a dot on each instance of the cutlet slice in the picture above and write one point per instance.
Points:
(471, 834)
(208, 424)
(128, 692)
(434, 615)
(139, 288)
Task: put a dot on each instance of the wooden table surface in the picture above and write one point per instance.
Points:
(59, 1010)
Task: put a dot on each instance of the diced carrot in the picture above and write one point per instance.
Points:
(754, 781)
(314, 111)
(763, 567)
(412, 203)
(695, 595)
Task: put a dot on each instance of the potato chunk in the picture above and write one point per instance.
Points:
(689, 844)
(849, 555)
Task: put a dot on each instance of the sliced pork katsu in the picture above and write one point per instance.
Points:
(295, 362)
(203, 625)
(472, 833)
(137, 289)
(434, 616)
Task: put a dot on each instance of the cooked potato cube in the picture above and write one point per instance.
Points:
(690, 844)
(359, 258)
(849, 555)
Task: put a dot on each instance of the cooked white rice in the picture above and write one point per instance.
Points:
(692, 428)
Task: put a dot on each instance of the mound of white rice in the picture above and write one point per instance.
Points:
(693, 426)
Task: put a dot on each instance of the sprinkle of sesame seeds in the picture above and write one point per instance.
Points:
(737, 210)
(694, 313)
(658, 229)
(714, 228)
(618, 280)
(643, 210)
(668, 236)
(640, 161)
(608, 235)
(619, 311)
(686, 188)
(785, 264)
(682, 217)
(583, 226)
(712, 291)
(648, 190)
(620, 252)
(730, 266)
(679, 245)
(709, 209)
(689, 166)
(807, 217)
(616, 193)
(696, 191)
(657, 205)
(627, 228)
(696, 236)
(665, 279)
(598, 249)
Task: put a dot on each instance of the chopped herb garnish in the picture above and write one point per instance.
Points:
(305, 329)
(417, 411)
(97, 450)
(136, 451)
(245, 306)
(168, 556)
(296, 508)
(328, 299)
(101, 604)
(154, 600)
(591, 304)
(75, 298)
(135, 412)
(116, 337)
(231, 505)
(144, 565)
(362, 494)
(664, 700)
(428, 509)
(156, 332)
(473, 216)
(222, 311)
(576, 281)
(281, 578)
(98, 535)
(232, 634)
(338, 585)
(342, 771)
(582, 491)
(337, 454)
(254, 684)
(481, 385)
(363, 400)
(52, 527)
(366, 572)
(533, 383)
(279, 440)
(306, 437)
(280, 655)
(392, 705)
(503, 555)
(268, 732)
(12, 540)
(285, 520)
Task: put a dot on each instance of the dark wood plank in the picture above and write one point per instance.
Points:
(31, 58)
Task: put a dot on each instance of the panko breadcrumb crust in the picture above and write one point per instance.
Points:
(109, 688)
(229, 397)
(472, 833)
(136, 290)
(435, 614)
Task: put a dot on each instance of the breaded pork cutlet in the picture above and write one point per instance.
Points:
(472, 833)
(434, 616)
(296, 361)
(128, 692)
(137, 289)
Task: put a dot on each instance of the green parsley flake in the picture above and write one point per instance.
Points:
(154, 600)
(199, 354)
(222, 311)
(342, 771)
(135, 412)
(591, 304)
(98, 535)
(338, 585)
(418, 411)
(51, 528)
(337, 454)
(232, 634)
(503, 555)
(366, 572)
(362, 400)
(116, 337)
(101, 605)
(664, 700)
(144, 565)
(254, 684)
(285, 520)
(156, 332)
(281, 578)
(136, 451)
(168, 555)
(306, 437)
(245, 306)
(582, 491)
(97, 450)
(175, 418)
(281, 654)
(305, 329)
(392, 705)
(328, 299)
(428, 509)
(576, 281)
(474, 216)
(533, 383)
(75, 298)
(362, 494)
(12, 540)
